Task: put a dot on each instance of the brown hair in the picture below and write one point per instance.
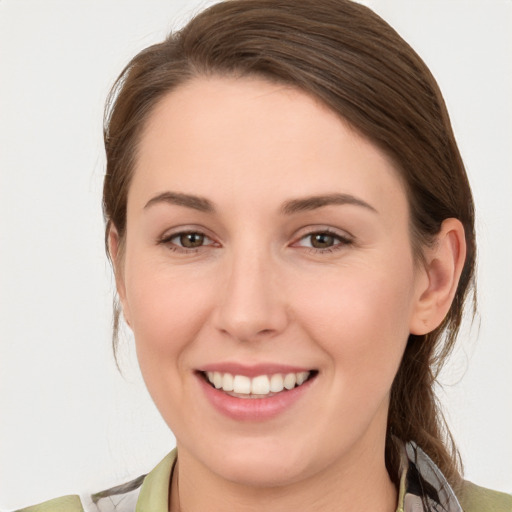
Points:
(355, 63)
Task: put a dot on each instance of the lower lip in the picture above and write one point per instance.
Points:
(253, 409)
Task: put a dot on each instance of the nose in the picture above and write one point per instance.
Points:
(251, 306)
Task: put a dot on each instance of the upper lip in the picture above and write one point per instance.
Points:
(252, 370)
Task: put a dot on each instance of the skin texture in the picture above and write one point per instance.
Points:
(256, 292)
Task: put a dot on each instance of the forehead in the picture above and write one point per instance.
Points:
(226, 136)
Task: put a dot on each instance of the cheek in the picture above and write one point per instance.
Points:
(166, 312)
(361, 320)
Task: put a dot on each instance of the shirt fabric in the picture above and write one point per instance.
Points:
(423, 488)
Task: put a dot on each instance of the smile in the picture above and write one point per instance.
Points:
(260, 386)
(255, 393)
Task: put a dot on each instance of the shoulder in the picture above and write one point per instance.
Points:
(122, 498)
(147, 492)
(64, 504)
(474, 498)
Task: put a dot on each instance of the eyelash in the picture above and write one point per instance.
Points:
(172, 246)
(340, 241)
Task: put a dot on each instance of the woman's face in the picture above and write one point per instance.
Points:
(267, 243)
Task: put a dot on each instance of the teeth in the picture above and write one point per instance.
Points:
(217, 379)
(276, 383)
(242, 384)
(290, 380)
(302, 377)
(227, 382)
(260, 385)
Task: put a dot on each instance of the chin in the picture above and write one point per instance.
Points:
(252, 460)
(265, 461)
(264, 470)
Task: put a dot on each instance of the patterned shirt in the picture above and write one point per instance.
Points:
(423, 488)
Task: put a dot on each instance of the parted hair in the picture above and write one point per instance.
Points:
(351, 60)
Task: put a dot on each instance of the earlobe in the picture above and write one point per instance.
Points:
(115, 250)
(444, 262)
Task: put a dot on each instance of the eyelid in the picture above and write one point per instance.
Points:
(167, 236)
(182, 233)
(321, 228)
(344, 238)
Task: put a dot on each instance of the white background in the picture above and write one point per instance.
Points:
(68, 420)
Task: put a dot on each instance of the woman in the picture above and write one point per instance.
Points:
(292, 233)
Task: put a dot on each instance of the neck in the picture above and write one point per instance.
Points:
(358, 483)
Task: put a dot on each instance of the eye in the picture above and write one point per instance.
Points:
(189, 240)
(323, 241)
(186, 240)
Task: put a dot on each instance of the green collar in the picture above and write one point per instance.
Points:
(154, 493)
(422, 487)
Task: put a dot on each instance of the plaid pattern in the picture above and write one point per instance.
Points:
(423, 488)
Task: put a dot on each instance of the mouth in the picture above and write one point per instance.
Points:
(257, 387)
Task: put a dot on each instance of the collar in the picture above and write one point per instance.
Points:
(423, 488)
(154, 493)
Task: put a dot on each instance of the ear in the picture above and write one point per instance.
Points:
(442, 268)
(116, 249)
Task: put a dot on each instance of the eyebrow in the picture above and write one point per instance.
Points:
(314, 202)
(289, 207)
(179, 199)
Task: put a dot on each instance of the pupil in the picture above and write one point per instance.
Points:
(191, 240)
(322, 240)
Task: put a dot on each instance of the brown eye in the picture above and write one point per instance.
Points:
(322, 240)
(191, 240)
(187, 241)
